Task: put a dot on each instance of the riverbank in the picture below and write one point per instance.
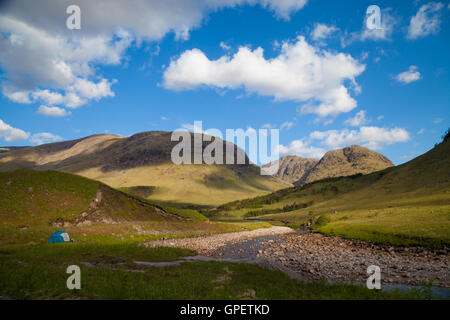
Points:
(314, 256)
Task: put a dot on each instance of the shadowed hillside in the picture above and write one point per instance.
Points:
(144, 160)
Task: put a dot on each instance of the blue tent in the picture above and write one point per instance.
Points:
(59, 236)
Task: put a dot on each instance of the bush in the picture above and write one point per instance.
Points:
(321, 221)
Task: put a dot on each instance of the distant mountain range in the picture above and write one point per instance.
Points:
(7, 149)
(143, 162)
(341, 162)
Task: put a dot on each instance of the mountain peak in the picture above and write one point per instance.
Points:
(293, 168)
(340, 162)
(345, 162)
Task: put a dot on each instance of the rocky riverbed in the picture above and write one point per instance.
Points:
(314, 256)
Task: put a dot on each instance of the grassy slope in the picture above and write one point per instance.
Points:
(40, 198)
(404, 205)
(189, 185)
(144, 160)
(33, 200)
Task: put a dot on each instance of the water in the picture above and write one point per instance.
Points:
(248, 251)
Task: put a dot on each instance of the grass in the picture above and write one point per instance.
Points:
(43, 198)
(188, 185)
(408, 205)
(39, 272)
(400, 226)
(34, 198)
(132, 231)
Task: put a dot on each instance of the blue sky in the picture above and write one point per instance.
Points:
(388, 89)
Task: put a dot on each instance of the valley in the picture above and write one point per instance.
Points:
(144, 228)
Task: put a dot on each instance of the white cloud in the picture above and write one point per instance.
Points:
(16, 95)
(301, 148)
(91, 90)
(411, 75)
(164, 118)
(421, 131)
(224, 46)
(35, 58)
(427, 21)
(438, 120)
(286, 125)
(11, 134)
(370, 137)
(53, 111)
(44, 137)
(282, 8)
(358, 120)
(388, 23)
(322, 31)
(39, 54)
(301, 73)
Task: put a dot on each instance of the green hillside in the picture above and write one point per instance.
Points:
(144, 161)
(408, 204)
(50, 198)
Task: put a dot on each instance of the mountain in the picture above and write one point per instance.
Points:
(49, 198)
(346, 162)
(293, 168)
(337, 163)
(407, 204)
(144, 160)
(7, 149)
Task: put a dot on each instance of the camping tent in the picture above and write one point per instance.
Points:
(59, 236)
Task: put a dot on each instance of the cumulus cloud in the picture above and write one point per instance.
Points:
(45, 62)
(411, 75)
(44, 137)
(322, 31)
(43, 67)
(11, 134)
(301, 148)
(388, 23)
(427, 21)
(301, 73)
(53, 111)
(371, 137)
(358, 120)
